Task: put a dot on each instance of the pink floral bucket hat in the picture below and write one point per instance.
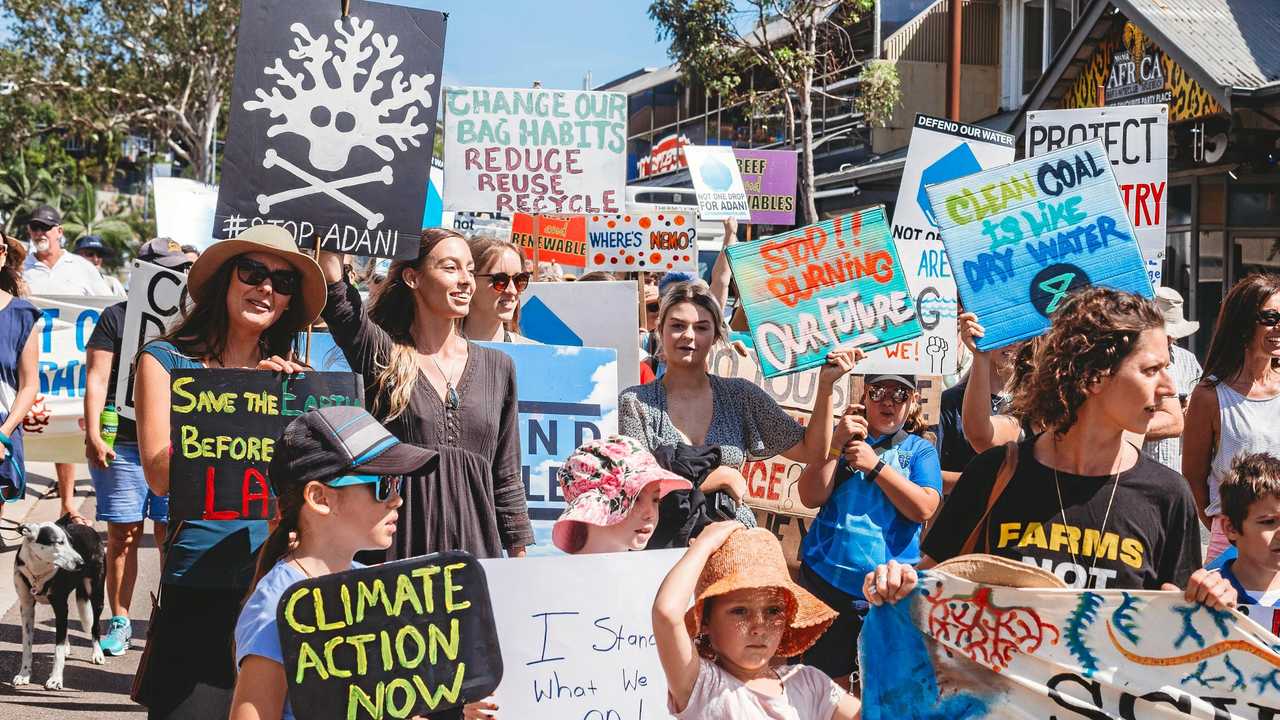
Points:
(601, 481)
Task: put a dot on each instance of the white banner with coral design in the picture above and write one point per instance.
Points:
(958, 649)
(54, 429)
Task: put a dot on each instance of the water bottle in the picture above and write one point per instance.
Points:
(109, 421)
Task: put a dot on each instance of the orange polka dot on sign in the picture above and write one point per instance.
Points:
(630, 260)
(679, 219)
(613, 260)
(670, 266)
(645, 222)
(655, 258)
(612, 224)
(626, 219)
(595, 218)
(599, 258)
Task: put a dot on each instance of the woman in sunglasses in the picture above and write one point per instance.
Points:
(430, 386)
(879, 483)
(251, 295)
(500, 278)
(1236, 407)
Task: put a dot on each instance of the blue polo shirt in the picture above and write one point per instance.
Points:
(858, 527)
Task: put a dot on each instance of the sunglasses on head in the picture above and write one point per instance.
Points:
(878, 393)
(252, 272)
(1269, 318)
(383, 486)
(500, 280)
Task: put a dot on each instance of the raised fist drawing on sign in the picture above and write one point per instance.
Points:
(936, 349)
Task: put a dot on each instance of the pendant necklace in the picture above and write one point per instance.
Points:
(450, 392)
(1063, 509)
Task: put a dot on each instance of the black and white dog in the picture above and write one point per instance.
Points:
(55, 560)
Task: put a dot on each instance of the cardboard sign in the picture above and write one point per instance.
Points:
(561, 239)
(956, 649)
(1137, 141)
(940, 150)
(534, 150)
(1023, 236)
(769, 177)
(721, 194)
(567, 396)
(644, 242)
(156, 296)
(591, 314)
(403, 638)
(819, 288)
(185, 210)
(332, 124)
(577, 635)
(224, 424)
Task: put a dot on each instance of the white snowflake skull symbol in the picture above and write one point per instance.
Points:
(343, 104)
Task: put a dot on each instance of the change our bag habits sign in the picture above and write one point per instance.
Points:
(1137, 141)
(940, 150)
(224, 425)
(645, 242)
(834, 284)
(156, 297)
(769, 177)
(717, 182)
(403, 638)
(958, 649)
(1022, 236)
(332, 124)
(535, 150)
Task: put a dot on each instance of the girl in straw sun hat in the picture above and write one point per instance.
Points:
(722, 657)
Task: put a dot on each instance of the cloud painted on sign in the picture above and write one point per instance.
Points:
(604, 392)
(568, 350)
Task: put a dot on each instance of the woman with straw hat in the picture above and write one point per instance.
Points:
(723, 656)
(251, 295)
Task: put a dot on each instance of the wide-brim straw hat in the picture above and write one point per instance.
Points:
(993, 570)
(753, 559)
(270, 240)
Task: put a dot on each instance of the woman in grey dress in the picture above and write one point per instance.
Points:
(429, 386)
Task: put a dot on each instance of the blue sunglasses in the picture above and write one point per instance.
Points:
(384, 486)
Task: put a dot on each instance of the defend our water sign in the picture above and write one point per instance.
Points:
(1137, 142)
(224, 425)
(1023, 236)
(642, 242)
(716, 180)
(835, 284)
(332, 124)
(535, 150)
(403, 638)
(769, 177)
(940, 150)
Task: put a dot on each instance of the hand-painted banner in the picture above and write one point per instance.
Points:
(534, 150)
(940, 150)
(561, 239)
(721, 194)
(567, 395)
(1137, 142)
(1023, 236)
(957, 649)
(333, 123)
(642, 242)
(769, 177)
(585, 315)
(156, 295)
(819, 288)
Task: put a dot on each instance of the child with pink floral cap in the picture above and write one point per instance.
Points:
(612, 487)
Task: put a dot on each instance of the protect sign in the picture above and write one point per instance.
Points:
(561, 240)
(1025, 235)
(769, 177)
(224, 425)
(1136, 138)
(534, 150)
(403, 638)
(642, 242)
(940, 150)
(717, 182)
(823, 287)
(156, 295)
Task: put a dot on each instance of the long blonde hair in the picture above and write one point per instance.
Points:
(392, 309)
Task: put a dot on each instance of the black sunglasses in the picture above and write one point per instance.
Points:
(899, 396)
(500, 280)
(252, 272)
(39, 227)
(1269, 318)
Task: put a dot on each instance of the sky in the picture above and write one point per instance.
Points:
(512, 43)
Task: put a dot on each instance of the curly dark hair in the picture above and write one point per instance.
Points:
(1093, 331)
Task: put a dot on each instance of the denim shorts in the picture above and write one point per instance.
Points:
(123, 495)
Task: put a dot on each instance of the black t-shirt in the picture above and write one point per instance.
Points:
(108, 334)
(1151, 536)
(954, 450)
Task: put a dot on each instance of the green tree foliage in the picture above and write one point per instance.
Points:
(23, 186)
(81, 215)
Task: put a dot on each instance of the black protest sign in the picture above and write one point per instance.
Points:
(332, 123)
(224, 424)
(405, 638)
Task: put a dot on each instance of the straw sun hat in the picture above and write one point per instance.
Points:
(753, 559)
(271, 240)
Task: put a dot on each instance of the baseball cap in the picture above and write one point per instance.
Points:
(908, 380)
(165, 252)
(92, 242)
(331, 442)
(45, 215)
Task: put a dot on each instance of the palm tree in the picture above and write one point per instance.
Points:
(22, 188)
(80, 217)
